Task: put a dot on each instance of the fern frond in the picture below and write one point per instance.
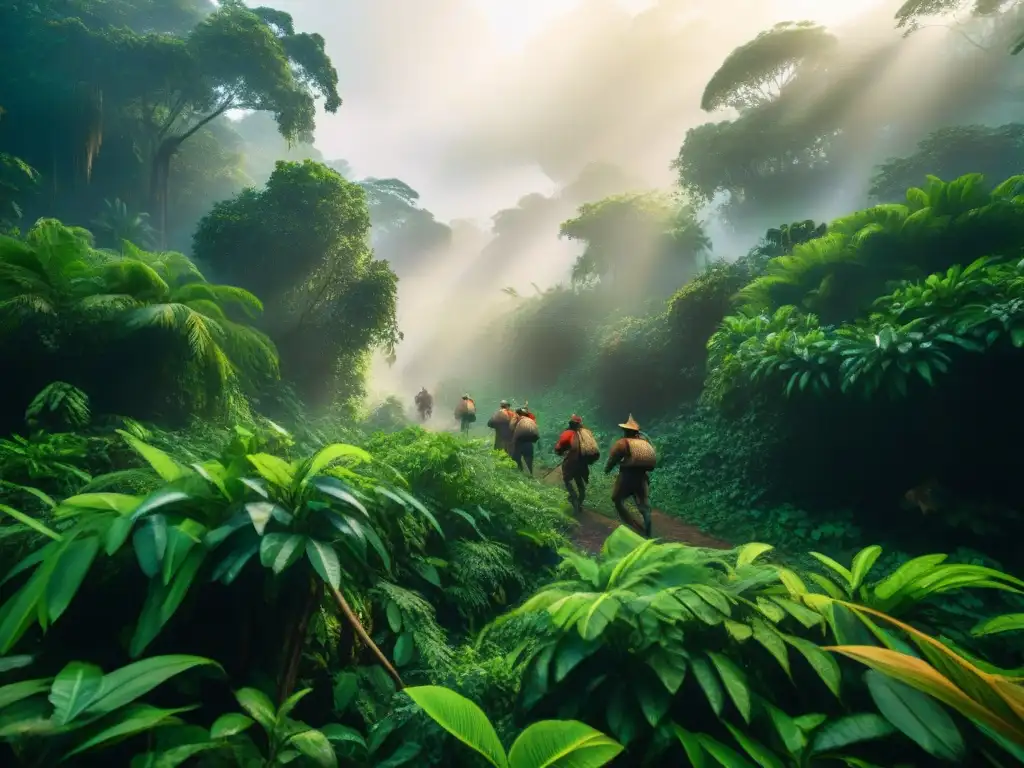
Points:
(418, 617)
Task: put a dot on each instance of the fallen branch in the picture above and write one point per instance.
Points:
(350, 615)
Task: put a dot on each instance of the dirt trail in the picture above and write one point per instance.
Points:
(595, 527)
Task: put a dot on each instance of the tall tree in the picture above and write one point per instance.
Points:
(401, 228)
(756, 73)
(302, 244)
(634, 241)
(236, 58)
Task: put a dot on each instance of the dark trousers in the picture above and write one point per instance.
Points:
(633, 483)
(464, 425)
(576, 479)
(523, 454)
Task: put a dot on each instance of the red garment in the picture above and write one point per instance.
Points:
(565, 441)
(531, 416)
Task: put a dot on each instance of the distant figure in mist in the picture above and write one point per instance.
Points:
(578, 449)
(524, 435)
(501, 423)
(635, 457)
(424, 404)
(465, 413)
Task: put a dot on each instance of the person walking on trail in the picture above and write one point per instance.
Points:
(465, 413)
(501, 423)
(635, 457)
(524, 435)
(424, 404)
(578, 449)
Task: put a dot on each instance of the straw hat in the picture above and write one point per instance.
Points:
(631, 424)
(504, 404)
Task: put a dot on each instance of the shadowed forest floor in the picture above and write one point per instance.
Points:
(595, 527)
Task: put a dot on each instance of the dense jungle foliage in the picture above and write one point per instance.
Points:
(213, 554)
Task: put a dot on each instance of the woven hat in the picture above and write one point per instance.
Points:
(504, 404)
(630, 424)
(574, 419)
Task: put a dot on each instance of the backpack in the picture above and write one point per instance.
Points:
(641, 454)
(525, 430)
(584, 442)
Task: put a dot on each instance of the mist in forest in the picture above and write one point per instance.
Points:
(506, 116)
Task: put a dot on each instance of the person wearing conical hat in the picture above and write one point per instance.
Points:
(635, 457)
(501, 423)
(424, 404)
(579, 449)
(465, 412)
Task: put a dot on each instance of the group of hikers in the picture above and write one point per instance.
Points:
(516, 433)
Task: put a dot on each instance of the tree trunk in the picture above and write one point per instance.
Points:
(297, 640)
(159, 183)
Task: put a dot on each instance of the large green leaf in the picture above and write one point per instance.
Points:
(822, 663)
(917, 715)
(863, 562)
(314, 745)
(332, 453)
(291, 702)
(235, 559)
(273, 469)
(709, 683)
(725, 756)
(121, 503)
(748, 553)
(260, 513)
(691, 745)
(346, 686)
(1010, 622)
(73, 690)
(168, 469)
(125, 685)
(735, 683)
(851, 729)
(150, 541)
(68, 574)
(158, 499)
(229, 725)
(761, 754)
(325, 561)
(137, 718)
(256, 703)
(162, 601)
(334, 488)
(461, 718)
(181, 539)
(15, 692)
(405, 648)
(21, 609)
(30, 521)
(562, 744)
(342, 734)
(278, 551)
(7, 663)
